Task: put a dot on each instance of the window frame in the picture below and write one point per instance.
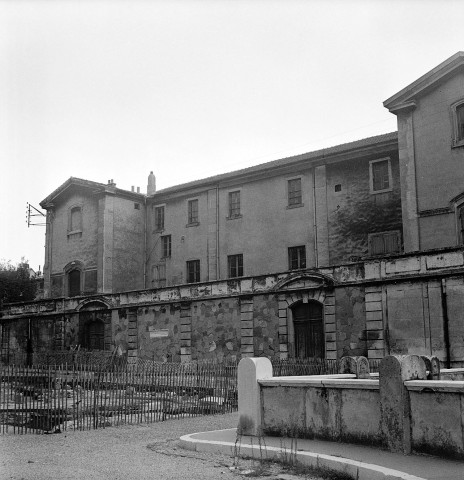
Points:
(159, 227)
(232, 207)
(370, 237)
(194, 274)
(290, 197)
(235, 262)
(191, 218)
(371, 176)
(301, 260)
(166, 246)
(458, 139)
(72, 208)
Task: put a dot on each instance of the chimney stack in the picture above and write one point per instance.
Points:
(132, 188)
(138, 189)
(151, 187)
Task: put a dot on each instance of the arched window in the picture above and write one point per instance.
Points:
(308, 325)
(74, 283)
(75, 219)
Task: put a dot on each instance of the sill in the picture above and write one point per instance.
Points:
(74, 234)
(297, 205)
(375, 192)
(235, 217)
(193, 224)
(459, 144)
(158, 230)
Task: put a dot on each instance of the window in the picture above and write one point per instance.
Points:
(460, 212)
(193, 271)
(192, 211)
(235, 265)
(384, 242)
(380, 176)
(458, 123)
(294, 192)
(74, 283)
(296, 257)
(75, 219)
(159, 275)
(166, 246)
(159, 218)
(137, 206)
(234, 204)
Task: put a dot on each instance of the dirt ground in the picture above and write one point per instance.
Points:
(135, 452)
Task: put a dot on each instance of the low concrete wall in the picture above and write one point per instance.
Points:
(344, 409)
(399, 409)
(437, 417)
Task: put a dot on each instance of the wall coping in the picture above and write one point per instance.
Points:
(342, 381)
(434, 386)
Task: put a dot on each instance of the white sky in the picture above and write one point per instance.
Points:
(115, 88)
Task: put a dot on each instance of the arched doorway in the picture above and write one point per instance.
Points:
(94, 323)
(308, 325)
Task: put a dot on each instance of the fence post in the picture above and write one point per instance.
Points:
(395, 415)
(250, 370)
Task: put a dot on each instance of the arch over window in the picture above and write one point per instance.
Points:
(308, 325)
(75, 219)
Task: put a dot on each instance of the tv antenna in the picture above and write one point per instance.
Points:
(31, 214)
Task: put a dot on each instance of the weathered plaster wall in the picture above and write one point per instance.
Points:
(128, 257)
(332, 412)
(351, 321)
(354, 212)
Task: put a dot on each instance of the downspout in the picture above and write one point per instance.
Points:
(316, 252)
(218, 270)
(446, 334)
(145, 259)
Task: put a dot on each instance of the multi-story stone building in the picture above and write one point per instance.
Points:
(354, 249)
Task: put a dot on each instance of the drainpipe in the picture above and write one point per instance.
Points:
(446, 334)
(218, 270)
(145, 244)
(316, 253)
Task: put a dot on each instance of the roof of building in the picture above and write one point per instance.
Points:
(337, 152)
(89, 184)
(405, 97)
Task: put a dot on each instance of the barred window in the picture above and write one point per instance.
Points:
(193, 271)
(159, 218)
(296, 257)
(235, 265)
(234, 204)
(294, 192)
(166, 246)
(193, 211)
(380, 175)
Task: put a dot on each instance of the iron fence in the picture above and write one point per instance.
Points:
(48, 399)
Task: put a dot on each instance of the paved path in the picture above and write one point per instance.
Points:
(414, 466)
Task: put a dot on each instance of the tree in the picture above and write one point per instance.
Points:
(16, 282)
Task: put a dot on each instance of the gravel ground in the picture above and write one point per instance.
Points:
(121, 453)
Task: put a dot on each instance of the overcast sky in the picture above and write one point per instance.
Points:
(191, 88)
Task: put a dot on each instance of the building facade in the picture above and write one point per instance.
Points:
(354, 249)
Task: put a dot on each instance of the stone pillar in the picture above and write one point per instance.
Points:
(185, 332)
(59, 332)
(246, 327)
(213, 263)
(320, 199)
(374, 322)
(283, 327)
(250, 370)
(395, 418)
(132, 336)
(330, 327)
